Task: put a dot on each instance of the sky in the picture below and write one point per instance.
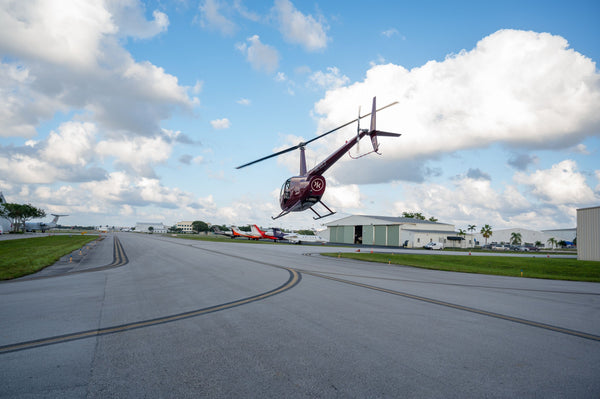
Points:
(117, 112)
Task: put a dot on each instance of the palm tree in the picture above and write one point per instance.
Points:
(471, 227)
(515, 238)
(461, 232)
(486, 232)
(552, 241)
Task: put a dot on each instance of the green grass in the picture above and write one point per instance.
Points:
(532, 266)
(28, 255)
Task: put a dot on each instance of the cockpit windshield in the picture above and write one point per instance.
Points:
(285, 190)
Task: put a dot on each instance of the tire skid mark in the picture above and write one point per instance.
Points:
(293, 280)
(531, 323)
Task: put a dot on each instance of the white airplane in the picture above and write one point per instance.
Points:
(41, 226)
(226, 233)
(296, 238)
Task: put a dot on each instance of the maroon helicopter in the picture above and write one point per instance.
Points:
(302, 192)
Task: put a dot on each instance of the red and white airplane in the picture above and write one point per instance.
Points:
(275, 234)
(249, 235)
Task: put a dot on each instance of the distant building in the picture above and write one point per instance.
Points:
(395, 231)
(4, 223)
(588, 233)
(567, 235)
(503, 236)
(186, 227)
(157, 228)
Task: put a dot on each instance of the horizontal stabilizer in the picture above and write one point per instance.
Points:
(387, 134)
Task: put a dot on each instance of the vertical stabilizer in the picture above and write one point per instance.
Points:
(373, 128)
(373, 132)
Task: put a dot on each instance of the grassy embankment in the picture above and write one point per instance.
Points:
(29, 255)
(534, 266)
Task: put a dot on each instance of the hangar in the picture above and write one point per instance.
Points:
(588, 233)
(395, 231)
(157, 228)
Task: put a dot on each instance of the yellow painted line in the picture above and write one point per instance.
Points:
(460, 307)
(294, 279)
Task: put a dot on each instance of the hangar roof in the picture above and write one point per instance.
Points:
(379, 220)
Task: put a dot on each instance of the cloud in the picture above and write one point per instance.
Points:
(137, 154)
(477, 174)
(261, 56)
(299, 28)
(466, 201)
(65, 155)
(390, 32)
(40, 31)
(244, 101)
(342, 197)
(186, 159)
(560, 185)
(332, 79)
(211, 18)
(522, 161)
(580, 149)
(220, 124)
(516, 88)
(129, 17)
(58, 61)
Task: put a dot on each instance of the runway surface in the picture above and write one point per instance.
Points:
(151, 316)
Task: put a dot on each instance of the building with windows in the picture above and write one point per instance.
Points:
(396, 232)
(157, 228)
(185, 227)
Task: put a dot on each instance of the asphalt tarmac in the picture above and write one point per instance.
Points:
(150, 316)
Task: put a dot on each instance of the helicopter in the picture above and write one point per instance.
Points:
(302, 192)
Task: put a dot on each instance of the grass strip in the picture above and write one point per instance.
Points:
(28, 255)
(531, 266)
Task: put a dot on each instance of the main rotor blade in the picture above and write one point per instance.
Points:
(313, 139)
(271, 155)
(349, 123)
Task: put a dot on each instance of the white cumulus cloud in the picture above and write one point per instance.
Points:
(220, 124)
(299, 28)
(515, 88)
(261, 56)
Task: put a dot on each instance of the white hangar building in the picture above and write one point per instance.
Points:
(157, 228)
(395, 231)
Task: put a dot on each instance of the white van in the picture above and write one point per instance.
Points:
(434, 245)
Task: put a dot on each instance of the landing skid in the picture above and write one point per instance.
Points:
(324, 216)
(283, 213)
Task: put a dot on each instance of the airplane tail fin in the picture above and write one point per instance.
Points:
(55, 220)
(254, 228)
(373, 132)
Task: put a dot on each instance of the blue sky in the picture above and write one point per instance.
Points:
(119, 112)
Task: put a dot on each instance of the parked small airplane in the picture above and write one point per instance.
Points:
(41, 226)
(220, 232)
(275, 234)
(304, 191)
(249, 235)
(296, 238)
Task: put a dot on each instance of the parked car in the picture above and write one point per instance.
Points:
(434, 245)
(530, 248)
(498, 247)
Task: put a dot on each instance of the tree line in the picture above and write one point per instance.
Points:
(19, 214)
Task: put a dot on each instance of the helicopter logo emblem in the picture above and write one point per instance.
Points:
(317, 184)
